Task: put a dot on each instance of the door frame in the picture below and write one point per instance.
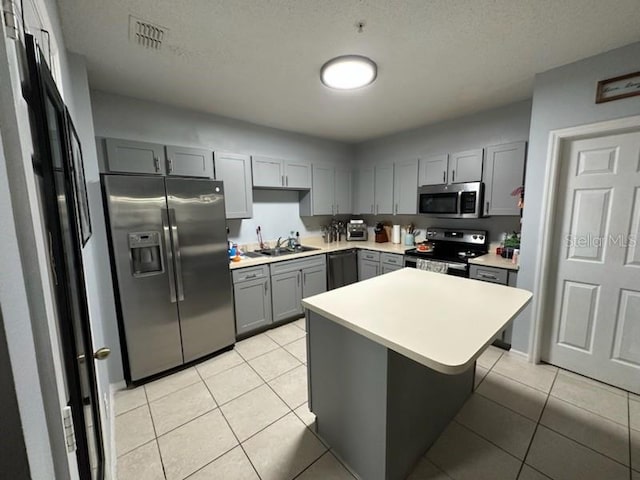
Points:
(41, 85)
(557, 138)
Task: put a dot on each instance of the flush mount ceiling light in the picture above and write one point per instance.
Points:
(348, 72)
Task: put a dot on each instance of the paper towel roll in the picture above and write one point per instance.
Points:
(395, 234)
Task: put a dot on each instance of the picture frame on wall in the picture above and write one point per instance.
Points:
(616, 88)
(79, 183)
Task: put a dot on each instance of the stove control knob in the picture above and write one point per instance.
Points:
(475, 237)
(481, 237)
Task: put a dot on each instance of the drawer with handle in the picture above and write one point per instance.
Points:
(489, 274)
(391, 259)
(369, 255)
(250, 273)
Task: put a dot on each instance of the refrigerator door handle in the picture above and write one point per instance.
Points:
(176, 246)
(169, 253)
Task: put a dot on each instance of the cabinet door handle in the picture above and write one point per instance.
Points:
(282, 180)
(337, 209)
(254, 275)
(377, 209)
(304, 278)
(266, 287)
(444, 176)
(170, 165)
(156, 164)
(372, 208)
(298, 279)
(453, 172)
(487, 208)
(396, 208)
(286, 180)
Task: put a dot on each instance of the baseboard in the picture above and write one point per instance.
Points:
(112, 460)
(520, 354)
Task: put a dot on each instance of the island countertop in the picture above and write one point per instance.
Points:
(441, 321)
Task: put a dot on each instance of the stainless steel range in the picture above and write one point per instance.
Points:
(448, 251)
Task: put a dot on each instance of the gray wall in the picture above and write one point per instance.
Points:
(491, 127)
(276, 211)
(564, 97)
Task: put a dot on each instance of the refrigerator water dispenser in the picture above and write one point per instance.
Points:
(146, 258)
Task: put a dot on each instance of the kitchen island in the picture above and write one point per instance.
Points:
(391, 361)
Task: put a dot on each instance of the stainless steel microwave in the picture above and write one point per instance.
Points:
(459, 200)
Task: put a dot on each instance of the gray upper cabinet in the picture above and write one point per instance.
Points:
(503, 173)
(135, 157)
(323, 190)
(405, 191)
(297, 175)
(383, 190)
(465, 166)
(286, 295)
(314, 280)
(267, 172)
(433, 170)
(252, 300)
(235, 171)
(189, 162)
(278, 173)
(330, 192)
(343, 195)
(365, 197)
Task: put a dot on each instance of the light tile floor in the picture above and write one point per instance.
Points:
(243, 416)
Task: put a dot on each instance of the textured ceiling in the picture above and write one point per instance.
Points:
(259, 60)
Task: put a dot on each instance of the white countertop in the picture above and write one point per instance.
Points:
(493, 260)
(441, 321)
(387, 247)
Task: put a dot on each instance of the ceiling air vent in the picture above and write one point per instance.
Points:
(146, 34)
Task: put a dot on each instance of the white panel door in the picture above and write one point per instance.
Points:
(594, 328)
(365, 199)
(466, 166)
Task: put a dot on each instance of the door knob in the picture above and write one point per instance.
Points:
(102, 353)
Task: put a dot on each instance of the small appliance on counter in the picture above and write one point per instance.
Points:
(381, 233)
(357, 231)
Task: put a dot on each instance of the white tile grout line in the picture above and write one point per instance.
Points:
(535, 429)
(153, 424)
(235, 436)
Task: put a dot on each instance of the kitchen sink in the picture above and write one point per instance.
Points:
(278, 252)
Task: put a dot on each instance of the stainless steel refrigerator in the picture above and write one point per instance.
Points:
(169, 257)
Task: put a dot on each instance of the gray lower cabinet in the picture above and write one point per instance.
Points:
(294, 280)
(314, 281)
(286, 295)
(252, 298)
(500, 276)
(368, 269)
(135, 157)
(390, 262)
(189, 162)
(235, 171)
(368, 264)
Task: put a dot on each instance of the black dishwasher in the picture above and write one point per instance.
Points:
(343, 268)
